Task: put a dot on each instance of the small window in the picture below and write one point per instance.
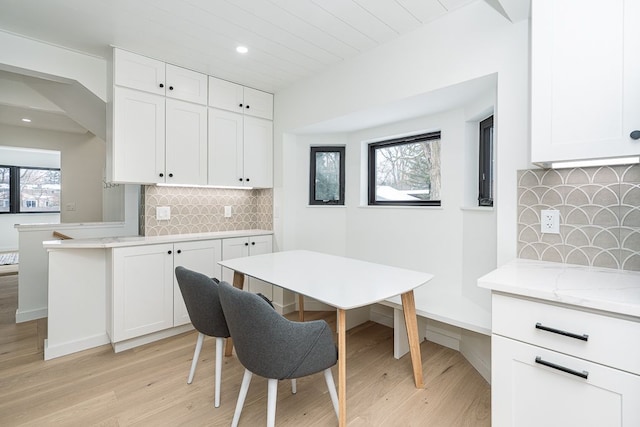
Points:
(485, 169)
(405, 171)
(326, 186)
(29, 190)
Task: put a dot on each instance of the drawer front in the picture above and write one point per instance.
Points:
(533, 387)
(607, 340)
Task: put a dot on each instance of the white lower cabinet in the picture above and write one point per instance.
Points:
(202, 257)
(145, 295)
(557, 366)
(246, 246)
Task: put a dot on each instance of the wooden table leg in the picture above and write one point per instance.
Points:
(342, 368)
(238, 282)
(301, 307)
(411, 322)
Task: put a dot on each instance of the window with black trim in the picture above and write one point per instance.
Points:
(405, 171)
(326, 184)
(29, 190)
(485, 167)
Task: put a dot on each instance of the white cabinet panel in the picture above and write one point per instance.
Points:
(239, 99)
(585, 79)
(239, 247)
(138, 72)
(527, 393)
(137, 148)
(258, 152)
(142, 290)
(226, 163)
(202, 257)
(186, 143)
(186, 85)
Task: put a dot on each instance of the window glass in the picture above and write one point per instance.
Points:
(5, 194)
(405, 171)
(485, 176)
(39, 190)
(327, 176)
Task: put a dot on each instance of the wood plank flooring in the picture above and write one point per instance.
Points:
(147, 386)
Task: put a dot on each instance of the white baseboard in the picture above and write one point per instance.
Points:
(27, 315)
(149, 338)
(51, 352)
(478, 361)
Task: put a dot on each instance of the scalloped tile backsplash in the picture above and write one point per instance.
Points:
(599, 216)
(201, 210)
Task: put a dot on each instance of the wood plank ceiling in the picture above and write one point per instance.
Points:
(288, 40)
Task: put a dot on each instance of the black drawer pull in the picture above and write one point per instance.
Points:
(581, 374)
(583, 337)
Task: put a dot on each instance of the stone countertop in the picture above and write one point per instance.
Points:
(615, 291)
(115, 242)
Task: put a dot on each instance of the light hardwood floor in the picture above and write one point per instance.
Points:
(147, 386)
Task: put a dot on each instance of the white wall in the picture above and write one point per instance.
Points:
(468, 43)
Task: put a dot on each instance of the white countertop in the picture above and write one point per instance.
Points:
(115, 242)
(606, 289)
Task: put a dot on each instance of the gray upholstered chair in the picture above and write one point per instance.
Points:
(274, 347)
(200, 294)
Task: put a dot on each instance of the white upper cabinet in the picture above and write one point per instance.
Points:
(234, 97)
(150, 75)
(585, 79)
(159, 123)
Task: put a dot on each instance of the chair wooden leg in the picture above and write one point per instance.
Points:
(219, 349)
(294, 387)
(328, 377)
(196, 355)
(272, 396)
(244, 388)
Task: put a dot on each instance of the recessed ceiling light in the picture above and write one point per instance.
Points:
(242, 49)
(26, 120)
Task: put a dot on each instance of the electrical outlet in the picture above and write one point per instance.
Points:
(163, 213)
(227, 211)
(550, 221)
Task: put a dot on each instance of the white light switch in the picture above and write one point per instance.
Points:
(163, 213)
(227, 211)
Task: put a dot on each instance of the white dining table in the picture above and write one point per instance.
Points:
(341, 282)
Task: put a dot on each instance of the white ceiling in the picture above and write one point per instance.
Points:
(287, 39)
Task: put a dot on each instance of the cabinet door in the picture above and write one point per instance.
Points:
(259, 245)
(526, 393)
(225, 95)
(138, 72)
(137, 147)
(186, 143)
(142, 290)
(186, 85)
(225, 148)
(258, 152)
(236, 247)
(202, 257)
(585, 89)
(258, 103)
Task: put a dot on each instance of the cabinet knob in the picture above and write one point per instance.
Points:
(246, 244)
(240, 179)
(161, 174)
(170, 87)
(253, 243)
(161, 85)
(170, 175)
(240, 105)
(169, 252)
(246, 179)
(179, 251)
(635, 134)
(247, 107)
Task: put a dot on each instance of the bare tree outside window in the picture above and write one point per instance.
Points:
(326, 185)
(405, 171)
(5, 193)
(29, 190)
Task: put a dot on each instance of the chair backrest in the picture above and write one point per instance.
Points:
(200, 294)
(270, 345)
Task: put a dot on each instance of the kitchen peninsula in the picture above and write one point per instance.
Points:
(121, 290)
